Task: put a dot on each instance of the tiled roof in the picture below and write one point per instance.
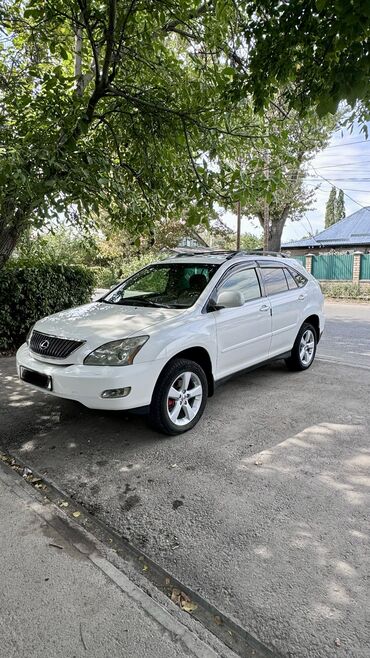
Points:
(351, 230)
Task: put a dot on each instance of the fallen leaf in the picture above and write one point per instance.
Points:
(337, 642)
(167, 581)
(64, 504)
(145, 567)
(76, 514)
(188, 606)
(218, 620)
(183, 600)
(175, 596)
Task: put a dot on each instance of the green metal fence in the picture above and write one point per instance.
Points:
(300, 259)
(333, 267)
(365, 266)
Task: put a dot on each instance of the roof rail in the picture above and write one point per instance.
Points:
(229, 253)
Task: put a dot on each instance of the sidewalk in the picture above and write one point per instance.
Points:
(60, 598)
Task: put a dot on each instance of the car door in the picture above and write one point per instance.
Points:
(284, 296)
(243, 332)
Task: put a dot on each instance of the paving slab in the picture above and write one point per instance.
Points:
(61, 598)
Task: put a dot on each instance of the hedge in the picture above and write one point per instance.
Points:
(345, 290)
(29, 293)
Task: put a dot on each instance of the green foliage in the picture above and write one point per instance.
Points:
(346, 290)
(340, 211)
(317, 49)
(30, 293)
(271, 172)
(248, 242)
(60, 246)
(106, 277)
(330, 211)
(113, 105)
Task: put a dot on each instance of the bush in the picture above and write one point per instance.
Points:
(106, 277)
(131, 266)
(345, 290)
(28, 293)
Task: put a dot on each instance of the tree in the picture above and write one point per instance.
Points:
(317, 49)
(330, 212)
(113, 105)
(340, 210)
(270, 176)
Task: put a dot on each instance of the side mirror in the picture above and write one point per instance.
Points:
(229, 299)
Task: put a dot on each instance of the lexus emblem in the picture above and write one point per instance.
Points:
(44, 345)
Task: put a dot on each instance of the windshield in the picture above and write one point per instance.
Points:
(169, 285)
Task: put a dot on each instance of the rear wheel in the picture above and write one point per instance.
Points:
(304, 348)
(179, 397)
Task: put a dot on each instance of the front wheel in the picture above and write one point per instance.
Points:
(179, 397)
(304, 348)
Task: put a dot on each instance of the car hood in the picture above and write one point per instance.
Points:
(99, 322)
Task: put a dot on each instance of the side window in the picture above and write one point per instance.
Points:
(299, 279)
(244, 281)
(292, 283)
(274, 279)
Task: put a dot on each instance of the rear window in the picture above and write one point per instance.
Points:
(275, 280)
(292, 284)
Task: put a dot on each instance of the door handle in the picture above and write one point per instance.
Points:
(264, 307)
(301, 297)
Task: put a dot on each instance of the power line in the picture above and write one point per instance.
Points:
(319, 189)
(360, 141)
(336, 187)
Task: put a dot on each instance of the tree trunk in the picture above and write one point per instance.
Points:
(8, 239)
(276, 230)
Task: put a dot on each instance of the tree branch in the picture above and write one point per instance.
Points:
(112, 17)
(94, 47)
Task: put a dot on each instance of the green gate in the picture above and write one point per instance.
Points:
(333, 267)
(300, 259)
(365, 266)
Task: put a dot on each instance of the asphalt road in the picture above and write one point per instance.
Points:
(347, 334)
(262, 508)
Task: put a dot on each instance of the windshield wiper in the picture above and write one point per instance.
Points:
(137, 301)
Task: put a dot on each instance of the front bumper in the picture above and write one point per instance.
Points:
(85, 384)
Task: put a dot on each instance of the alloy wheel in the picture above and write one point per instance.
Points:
(184, 398)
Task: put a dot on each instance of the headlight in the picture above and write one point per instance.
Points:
(28, 337)
(116, 353)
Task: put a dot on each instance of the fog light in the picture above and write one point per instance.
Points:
(116, 392)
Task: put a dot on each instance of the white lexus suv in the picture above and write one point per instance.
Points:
(163, 338)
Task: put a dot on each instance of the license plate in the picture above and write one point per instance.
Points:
(36, 378)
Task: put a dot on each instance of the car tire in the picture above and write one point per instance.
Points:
(304, 348)
(178, 413)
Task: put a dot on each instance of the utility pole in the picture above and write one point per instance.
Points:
(266, 210)
(238, 224)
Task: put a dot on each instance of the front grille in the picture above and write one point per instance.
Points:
(57, 348)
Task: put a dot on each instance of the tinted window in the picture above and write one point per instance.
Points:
(299, 279)
(244, 281)
(274, 279)
(292, 284)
